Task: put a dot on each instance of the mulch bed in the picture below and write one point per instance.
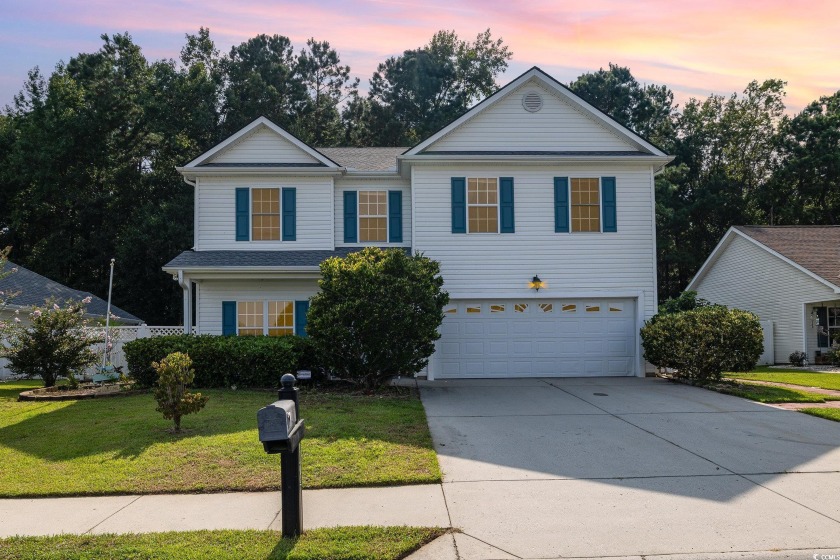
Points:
(53, 394)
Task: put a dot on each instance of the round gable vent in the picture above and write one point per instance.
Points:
(532, 101)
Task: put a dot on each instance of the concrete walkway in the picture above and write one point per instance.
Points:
(421, 506)
(631, 468)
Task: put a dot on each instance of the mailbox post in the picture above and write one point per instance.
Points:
(281, 430)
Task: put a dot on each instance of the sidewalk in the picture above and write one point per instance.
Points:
(421, 506)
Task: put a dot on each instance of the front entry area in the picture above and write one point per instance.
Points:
(537, 338)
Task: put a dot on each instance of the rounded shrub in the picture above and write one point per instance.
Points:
(702, 343)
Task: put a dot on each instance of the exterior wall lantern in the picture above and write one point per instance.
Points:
(536, 283)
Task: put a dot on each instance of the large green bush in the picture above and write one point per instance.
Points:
(702, 343)
(222, 361)
(377, 314)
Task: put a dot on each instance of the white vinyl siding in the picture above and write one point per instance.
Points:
(390, 184)
(748, 277)
(558, 126)
(216, 228)
(213, 292)
(623, 262)
(263, 146)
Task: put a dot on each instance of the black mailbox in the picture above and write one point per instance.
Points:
(280, 430)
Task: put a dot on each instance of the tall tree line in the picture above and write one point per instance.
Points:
(87, 154)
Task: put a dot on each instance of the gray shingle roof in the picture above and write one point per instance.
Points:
(34, 289)
(247, 259)
(816, 248)
(532, 153)
(364, 159)
(267, 164)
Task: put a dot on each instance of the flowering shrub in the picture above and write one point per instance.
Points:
(54, 344)
(797, 358)
(175, 373)
(702, 343)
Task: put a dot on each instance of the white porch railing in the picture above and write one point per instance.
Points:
(119, 336)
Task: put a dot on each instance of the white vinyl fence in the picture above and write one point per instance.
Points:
(119, 336)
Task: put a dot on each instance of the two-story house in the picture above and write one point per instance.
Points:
(533, 182)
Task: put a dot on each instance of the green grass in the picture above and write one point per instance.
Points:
(121, 445)
(792, 376)
(769, 394)
(343, 543)
(827, 413)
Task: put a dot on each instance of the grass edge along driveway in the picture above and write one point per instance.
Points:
(805, 378)
(121, 445)
(359, 543)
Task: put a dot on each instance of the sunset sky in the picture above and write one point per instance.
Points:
(696, 48)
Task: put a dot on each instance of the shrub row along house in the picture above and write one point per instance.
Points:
(539, 208)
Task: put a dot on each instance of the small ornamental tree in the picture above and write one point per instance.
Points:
(56, 342)
(377, 314)
(175, 373)
(702, 343)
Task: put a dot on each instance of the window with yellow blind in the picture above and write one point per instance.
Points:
(483, 205)
(281, 318)
(272, 318)
(265, 214)
(249, 320)
(586, 205)
(373, 216)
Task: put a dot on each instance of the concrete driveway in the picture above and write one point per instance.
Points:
(630, 467)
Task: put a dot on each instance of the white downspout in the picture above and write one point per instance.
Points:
(186, 285)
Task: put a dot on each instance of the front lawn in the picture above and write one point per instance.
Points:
(768, 394)
(357, 543)
(792, 376)
(827, 413)
(121, 445)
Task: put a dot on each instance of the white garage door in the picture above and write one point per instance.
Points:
(541, 338)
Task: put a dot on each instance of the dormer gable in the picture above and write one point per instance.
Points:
(261, 144)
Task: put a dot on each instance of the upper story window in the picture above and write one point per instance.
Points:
(483, 205)
(586, 205)
(265, 214)
(373, 216)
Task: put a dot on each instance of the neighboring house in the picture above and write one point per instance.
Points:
(532, 181)
(787, 275)
(33, 289)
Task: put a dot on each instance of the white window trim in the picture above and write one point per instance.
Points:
(498, 205)
(600, 206)
(279, 216)
(265, 326)
(359, 217)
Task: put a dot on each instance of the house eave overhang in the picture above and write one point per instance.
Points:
(405, 162)
(192, 172)
(238, 272)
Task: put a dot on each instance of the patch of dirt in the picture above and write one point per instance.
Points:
(81, 392)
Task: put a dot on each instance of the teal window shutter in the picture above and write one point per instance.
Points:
(350, 217)
(459, 205)
(301, 310)
(228, 318)
(395, 226)
(243, 214)
(561, 204)
(506, 221)
(608, 207)
(289, 214)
